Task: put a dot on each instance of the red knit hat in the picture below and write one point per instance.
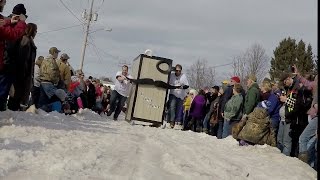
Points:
(236, 79)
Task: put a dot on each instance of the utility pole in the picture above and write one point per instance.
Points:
(89, 18)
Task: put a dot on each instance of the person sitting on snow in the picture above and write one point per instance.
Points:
(55, 102)
(256, 128)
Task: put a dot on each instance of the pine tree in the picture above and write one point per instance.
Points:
(284, 56)
(301, 56)
(310, 63)
(289, 53)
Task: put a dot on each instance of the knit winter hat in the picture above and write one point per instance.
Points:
(19, 9)
(61, 94)
(236, 79)
(216, 88)
(193, 91)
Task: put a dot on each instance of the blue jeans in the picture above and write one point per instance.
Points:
(284, 141)
(117, 101)
(220, 128)
(47, 90)
(206, 124)
(185, 119)
(174, 105)
(308, 133)
(312, 151)
(5, 84)
(227, 127)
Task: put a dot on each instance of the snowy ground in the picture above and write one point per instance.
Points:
(88, 146)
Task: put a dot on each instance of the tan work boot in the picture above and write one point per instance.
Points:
(304, 156)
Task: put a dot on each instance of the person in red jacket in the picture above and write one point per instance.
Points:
(10, 30)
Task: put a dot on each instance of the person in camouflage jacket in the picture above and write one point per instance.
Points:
(49, 70)
(256, 128)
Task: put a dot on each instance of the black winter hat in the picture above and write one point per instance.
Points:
(19, 9)
(216, 88)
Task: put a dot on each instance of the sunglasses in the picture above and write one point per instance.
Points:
(178, 70)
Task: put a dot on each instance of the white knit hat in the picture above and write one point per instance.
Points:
(193, 91)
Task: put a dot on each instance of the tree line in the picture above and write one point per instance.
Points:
(254, 60)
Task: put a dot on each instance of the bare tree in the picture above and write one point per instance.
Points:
(239, 68)
(200, 75)
(258, 61)
(253, 61)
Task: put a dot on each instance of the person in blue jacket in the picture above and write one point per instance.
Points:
(275, 105)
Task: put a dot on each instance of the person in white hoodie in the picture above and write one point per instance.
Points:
(120, 93)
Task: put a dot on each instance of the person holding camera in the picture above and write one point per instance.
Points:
(296, 101)
(10, 30)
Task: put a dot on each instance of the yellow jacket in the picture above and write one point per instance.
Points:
(187, 103)
(65, 73)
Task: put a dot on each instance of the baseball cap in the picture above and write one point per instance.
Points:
(64, 56)
(236, 79)
(54, 50)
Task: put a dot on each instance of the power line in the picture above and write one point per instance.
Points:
(221, 65)
(59, 29)
(70, 11)
(100, 6)
(106, 53)
(46, 39)
(96, 48)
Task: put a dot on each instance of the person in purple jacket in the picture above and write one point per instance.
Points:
(197, 111)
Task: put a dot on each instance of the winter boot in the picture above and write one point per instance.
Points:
(172, 124)
(178, 126)
(303, 156)
(205, 130)
(198, 129)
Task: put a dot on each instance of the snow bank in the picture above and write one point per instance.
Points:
(88, 146)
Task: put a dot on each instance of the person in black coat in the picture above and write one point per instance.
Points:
(91, 94)
(24, 59)
(300, 122)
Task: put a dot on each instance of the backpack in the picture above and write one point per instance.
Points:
(214, 116)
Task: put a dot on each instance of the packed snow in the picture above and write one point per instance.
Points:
(89, 146)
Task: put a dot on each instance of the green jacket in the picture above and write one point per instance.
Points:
(49, 71)
(232, 110)
(252, 98)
